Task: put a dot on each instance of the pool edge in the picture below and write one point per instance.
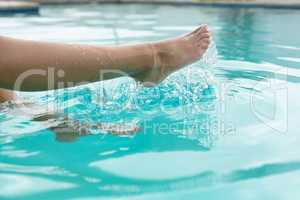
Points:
(19, 7)
(207, 3)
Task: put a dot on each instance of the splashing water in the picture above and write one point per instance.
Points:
(210, 57)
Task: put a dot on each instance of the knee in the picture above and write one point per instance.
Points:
(1, 42)
(3, 69)
(7, 95)
(2, 48)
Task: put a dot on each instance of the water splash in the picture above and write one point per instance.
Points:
(210, 57)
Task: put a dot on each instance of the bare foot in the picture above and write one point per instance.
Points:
(173, 54)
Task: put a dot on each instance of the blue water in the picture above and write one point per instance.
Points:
(224, 130)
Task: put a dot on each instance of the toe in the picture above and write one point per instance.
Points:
(203, 36)
(204, 43)
(195, 31)
(202, 29)
(204, 46)
(204, 40)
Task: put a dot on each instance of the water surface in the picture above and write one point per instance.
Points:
(235, 133)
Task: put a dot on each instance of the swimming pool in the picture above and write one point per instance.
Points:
(234, 134)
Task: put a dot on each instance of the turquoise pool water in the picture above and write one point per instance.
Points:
(227, 132)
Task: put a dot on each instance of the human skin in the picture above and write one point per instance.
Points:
(26, 65)
(7, 95)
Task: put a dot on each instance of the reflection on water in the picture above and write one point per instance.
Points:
(239, 34)
(200, 136)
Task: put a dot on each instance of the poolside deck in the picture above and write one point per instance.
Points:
(32, 6)
(12, 7)
(292, 4)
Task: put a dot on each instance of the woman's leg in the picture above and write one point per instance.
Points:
(32, 66)
(7, 95)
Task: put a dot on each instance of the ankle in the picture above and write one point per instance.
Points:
(156, 56)
(164, 52)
